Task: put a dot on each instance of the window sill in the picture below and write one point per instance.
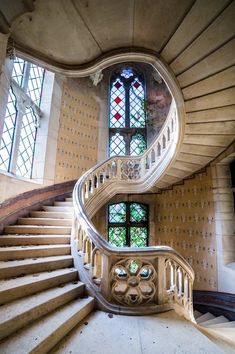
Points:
(19, 178)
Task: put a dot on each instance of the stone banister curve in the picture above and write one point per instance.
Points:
(154, 278)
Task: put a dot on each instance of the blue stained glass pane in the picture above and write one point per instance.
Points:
(137, 102)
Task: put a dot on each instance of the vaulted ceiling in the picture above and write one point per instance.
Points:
(195, 38)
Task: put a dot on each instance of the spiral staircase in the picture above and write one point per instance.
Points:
(55, 267)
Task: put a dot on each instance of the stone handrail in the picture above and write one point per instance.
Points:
(154, 278)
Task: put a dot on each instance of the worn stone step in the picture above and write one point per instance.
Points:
(227, 334)
(219, 319)
(9, 269)
(197, 314)
(58, 208)
(70, 199)
(43, 335)
(52, 214)
(45, 221)
(66, 203)
(229, 324)
(7, 240)
(34, 229)
(21, 312)
(17, 288)
(205, 317)
(14, 252)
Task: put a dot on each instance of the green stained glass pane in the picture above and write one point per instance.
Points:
(138, 145)
(138, 236)
(138, 212)
(117, 236)
(117, 212)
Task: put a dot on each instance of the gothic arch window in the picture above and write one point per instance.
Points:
(19, 129)
(128, 224)
(127, 123)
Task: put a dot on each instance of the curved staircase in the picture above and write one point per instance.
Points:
(41, 296)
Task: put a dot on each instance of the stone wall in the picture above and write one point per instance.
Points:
(78, 132)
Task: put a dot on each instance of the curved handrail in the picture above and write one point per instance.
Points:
(93, 189)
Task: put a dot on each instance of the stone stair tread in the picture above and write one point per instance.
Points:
(28, 261)
(44, 221)
(216, 320)
(205, 317)
(42, 335)
(34, 306)
(32, 278)
(227, 334)
(51, 214)
(197, 314)
(7, 240)
(30, 247)
(37, 226)
(58, 208)
(65, 203)
(229, 324)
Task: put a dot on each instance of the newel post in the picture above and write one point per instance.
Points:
(161, 280)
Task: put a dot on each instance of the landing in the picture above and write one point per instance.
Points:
(165, 333)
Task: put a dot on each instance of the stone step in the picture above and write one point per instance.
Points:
(58, 208)
(219, 319)
(207, 316)
(17, 288)
(21, 312)
(196, 314)
(229, 324)
(66, 203)
(21, 252)
(43, 335)
(227, 334)
(45, 221)
(70, 199)
(9, 269)
(34, 229)
(7, 240)
(52, 214)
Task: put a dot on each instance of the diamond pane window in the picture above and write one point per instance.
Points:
(117, 145)
(117, 212)
(137, 113)
(137, 145)
(127, 112)
(18, 70)
(128, 224)
(139, 236)
(138, 212)
(117, 105)
(27, 143)
(18, 137)
(117, 236)
(35, 82)
(8, 132)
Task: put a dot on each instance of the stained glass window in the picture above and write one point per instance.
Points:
(128, 224)
(19, 129)
(137, 145)
(117, 145)
(127, 112)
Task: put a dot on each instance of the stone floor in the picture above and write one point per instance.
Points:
(166, 333)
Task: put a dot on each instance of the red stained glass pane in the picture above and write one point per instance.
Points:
(117, 116)
(136, 84)
(117, 85)
(117, 100)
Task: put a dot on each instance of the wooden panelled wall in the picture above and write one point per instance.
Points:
(78, 132)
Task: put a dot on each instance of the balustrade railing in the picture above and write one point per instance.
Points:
(130, 280)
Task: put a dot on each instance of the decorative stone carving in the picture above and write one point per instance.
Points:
(130, 170)
(133, 281)
(96, 77)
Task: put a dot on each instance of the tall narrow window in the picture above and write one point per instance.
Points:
(128, 224)
(127, 123)
(19, 131)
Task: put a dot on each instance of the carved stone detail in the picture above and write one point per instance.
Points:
(133, 282)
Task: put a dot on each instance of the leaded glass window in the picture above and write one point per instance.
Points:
(128, 224)
(19, 130)
(127, 113)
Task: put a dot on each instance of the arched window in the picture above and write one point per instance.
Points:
(128, 224)
(127, 123)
